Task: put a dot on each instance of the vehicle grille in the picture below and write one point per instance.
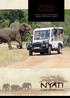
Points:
(37, 45)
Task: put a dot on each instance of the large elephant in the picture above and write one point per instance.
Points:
(27, 86)
(6, 87)
(14, 34)
(15, 88)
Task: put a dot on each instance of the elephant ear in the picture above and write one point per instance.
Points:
(21, 27)
(27, 27)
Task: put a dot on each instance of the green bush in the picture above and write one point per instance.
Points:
(26, 37)
(14, 24)
(4, 23)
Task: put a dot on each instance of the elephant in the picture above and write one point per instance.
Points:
(14, 34)
(15, 88)
(6, 87)
(27, 86)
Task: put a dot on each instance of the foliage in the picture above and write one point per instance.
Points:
(11, 18)
(14, 24)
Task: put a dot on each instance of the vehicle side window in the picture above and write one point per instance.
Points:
(58, 34)
(52, 35)
(61, 35)
(55, 35)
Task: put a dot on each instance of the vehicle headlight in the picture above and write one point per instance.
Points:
(43, 45)
(46, 45)
(30, 46)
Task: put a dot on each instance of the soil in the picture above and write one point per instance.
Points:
(46, 61)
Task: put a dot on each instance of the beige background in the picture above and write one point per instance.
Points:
(67, 4)
(13, 4)
(33, 76)
(22, 4)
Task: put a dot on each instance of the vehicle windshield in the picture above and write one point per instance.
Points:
(42, 34)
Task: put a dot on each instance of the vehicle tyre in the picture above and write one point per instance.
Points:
(41, 53)
(49, 50)
(59, 51)
(30, 53)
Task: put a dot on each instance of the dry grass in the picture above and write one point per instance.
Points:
(11, 56)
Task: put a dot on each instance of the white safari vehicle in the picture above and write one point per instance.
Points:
(45, 40)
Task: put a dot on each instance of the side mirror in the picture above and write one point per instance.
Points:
(52, 39)
(31, 38)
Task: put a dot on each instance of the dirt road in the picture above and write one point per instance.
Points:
(46, 61)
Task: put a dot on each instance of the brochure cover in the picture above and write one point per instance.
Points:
(34, 48)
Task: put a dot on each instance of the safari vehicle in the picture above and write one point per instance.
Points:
(45, 40)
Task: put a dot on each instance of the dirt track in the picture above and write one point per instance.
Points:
(47, 61)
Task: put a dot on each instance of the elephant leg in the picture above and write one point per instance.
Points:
(20, 44)
(9, 45)
(18, 39)
(28, 88)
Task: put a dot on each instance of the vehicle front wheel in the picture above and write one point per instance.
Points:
(49, 50)
(41, 53)
(30, 53)
(59, 51)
